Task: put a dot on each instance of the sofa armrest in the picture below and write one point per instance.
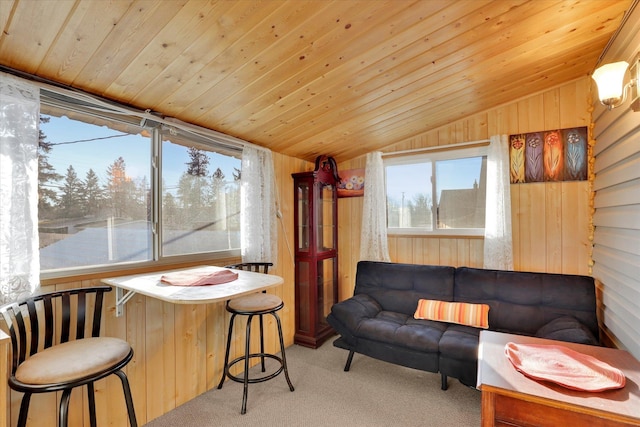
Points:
(352, 311)
(567, 329)
(346, 316)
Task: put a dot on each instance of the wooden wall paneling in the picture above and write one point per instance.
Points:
(417, 249)
(349, 231)
(216, 343)
(357, 207)
(285, 267)
(575, 223)
(160, 350)
(535, 226)
(477, 253)
(404, 250)
(515, 190)
(553, 226)
(431, 255)
(575, 195)
(5, 367)
(552, 193)
(110, 402)
(448, 252)
(531, 114)
(135, 335)
(463, 254)
(392, 248)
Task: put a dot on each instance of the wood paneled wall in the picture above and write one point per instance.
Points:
(616, 216)
(179, 349)
(5, 351)
(550, 220)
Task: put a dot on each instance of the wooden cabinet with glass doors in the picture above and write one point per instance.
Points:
(316, 253)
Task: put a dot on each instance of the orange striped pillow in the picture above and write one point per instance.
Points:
(463, 313)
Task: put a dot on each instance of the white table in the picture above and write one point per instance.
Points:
(149, 284)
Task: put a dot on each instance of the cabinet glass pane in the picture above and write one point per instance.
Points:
(303, 296)
(303, 216)
(325, 209)
(326, 270)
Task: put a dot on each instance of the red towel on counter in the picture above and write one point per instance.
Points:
(564, 366)
(194, 278)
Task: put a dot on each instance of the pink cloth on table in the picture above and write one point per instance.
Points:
(193, 278)
(564, 366)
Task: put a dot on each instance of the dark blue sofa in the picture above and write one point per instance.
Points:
(378, 320)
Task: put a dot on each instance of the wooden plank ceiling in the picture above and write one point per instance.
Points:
(337, 77)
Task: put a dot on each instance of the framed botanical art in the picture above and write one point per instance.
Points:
(554, 155)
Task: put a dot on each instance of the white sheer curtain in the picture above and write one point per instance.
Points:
(19, 258)
(498, 246)
(258, 226)
(373, 238)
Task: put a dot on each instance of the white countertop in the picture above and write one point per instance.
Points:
(149, 284)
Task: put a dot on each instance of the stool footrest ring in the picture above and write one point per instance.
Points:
(259, 379)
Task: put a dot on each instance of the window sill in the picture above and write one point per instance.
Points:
(91, 273)
(470, 233)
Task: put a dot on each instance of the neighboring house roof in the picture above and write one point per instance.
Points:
(461, 208)
(129, 242)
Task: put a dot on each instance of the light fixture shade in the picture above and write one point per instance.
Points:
(610, 81)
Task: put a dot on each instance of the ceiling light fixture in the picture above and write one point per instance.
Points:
(611, 88)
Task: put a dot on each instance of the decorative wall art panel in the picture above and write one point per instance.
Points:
(547, 156)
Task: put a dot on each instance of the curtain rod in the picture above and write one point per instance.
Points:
(115, 107)
(438, 147)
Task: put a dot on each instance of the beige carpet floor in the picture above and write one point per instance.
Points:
(373, 393)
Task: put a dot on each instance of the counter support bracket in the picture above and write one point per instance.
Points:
(121, 299)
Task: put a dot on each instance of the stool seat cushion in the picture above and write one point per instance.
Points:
(255, 302)
(72, 360)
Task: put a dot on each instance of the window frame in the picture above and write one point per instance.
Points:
(67, 101)
(432, 156)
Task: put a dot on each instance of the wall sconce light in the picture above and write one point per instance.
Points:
(611, 88)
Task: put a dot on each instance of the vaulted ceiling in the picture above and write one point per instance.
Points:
(309, 77)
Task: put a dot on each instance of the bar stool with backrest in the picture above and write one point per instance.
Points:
(56, 347)
(258, 304)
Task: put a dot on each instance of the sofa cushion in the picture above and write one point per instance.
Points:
(476, 315)
(398, 287)
(460, 342)
(401, 330)
(523, 302)
(569, 329)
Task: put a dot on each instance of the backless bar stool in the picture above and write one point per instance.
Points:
(256, 267)
(258, 304)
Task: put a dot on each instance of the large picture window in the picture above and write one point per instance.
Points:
(200, 198)
(437, 193)
(115, 190)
